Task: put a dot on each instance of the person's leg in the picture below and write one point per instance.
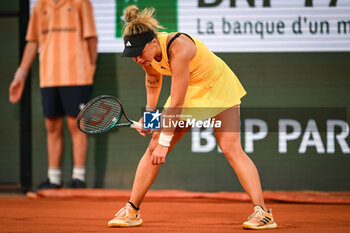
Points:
(146, 172)
(54, 127)
(79, 142)
(53, 113)
(229, 142)
(80, 145)
(73, 98)
(228, 138)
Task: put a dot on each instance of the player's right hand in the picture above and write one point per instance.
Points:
(143, 131)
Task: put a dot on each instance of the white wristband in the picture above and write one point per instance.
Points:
(164, 139)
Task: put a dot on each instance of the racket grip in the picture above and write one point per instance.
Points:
(136, 125)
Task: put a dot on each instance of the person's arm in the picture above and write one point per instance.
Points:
(92, 47)
(180, 66)
(29, 54)
(153, 83)
(17, 84)
(89, 31)
(181, 52)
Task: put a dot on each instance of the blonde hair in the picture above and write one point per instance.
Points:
(138, 23)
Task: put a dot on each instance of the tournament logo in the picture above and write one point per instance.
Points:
(151, 120)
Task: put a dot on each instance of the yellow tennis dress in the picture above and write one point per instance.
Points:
(213, 87)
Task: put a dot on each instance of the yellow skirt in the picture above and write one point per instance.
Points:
(207, 98)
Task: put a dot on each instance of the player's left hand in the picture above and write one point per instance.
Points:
(159, 154)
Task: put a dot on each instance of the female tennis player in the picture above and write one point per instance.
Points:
(199, 79)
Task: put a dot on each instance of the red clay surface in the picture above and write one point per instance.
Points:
(315, 197)
(22, 214)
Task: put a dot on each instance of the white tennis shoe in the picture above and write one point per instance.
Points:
(126, 217)
(260, 219)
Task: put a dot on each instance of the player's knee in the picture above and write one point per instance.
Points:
(231, 150)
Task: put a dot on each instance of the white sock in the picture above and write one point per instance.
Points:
(55, 175)
(79, 173)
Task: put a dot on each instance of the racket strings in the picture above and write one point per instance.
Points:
(101, 115)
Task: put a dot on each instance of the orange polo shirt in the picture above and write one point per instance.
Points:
(61, 31)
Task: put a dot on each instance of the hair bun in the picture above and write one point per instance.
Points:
(131, 13)
(138, 22)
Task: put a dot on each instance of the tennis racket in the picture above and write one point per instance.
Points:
(103, 113)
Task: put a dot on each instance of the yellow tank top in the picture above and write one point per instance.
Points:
(204, 66)
(213, 87)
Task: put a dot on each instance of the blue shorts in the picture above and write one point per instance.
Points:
(64, 101)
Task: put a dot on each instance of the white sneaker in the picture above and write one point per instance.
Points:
(260, 219)
(126, 217)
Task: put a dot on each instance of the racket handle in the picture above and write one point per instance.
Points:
(136, 125)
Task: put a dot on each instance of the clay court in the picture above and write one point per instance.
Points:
(69, 211)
